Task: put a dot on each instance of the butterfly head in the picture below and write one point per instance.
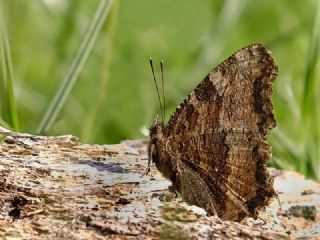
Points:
(157, 149)
(156, 136)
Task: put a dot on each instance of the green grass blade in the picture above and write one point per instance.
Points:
(87, 129)
(76, 66)
(310, 113)
(313, 55)
(8, 104)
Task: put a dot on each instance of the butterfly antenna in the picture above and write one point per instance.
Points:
(162, 83)
(155, 83)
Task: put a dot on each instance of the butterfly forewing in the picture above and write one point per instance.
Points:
(216, 137)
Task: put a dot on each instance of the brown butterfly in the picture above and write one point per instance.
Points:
(214, 148)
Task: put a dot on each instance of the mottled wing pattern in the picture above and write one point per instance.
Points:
(216, 138)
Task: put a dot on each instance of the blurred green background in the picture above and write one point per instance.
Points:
(44, 44)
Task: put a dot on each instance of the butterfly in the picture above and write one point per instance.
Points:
(214, 148)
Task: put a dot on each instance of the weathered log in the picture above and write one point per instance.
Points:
(58, 188)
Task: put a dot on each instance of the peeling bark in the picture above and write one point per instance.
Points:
(58, 188)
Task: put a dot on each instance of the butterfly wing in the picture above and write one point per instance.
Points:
(217, 136)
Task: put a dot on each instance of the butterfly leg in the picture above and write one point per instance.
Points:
(150, 153)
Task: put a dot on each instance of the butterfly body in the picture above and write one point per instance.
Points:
(214, 148)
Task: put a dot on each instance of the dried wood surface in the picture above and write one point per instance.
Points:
(58, 188)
